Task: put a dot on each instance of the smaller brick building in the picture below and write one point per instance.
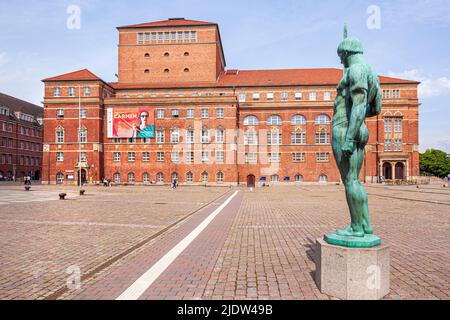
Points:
(21, 136)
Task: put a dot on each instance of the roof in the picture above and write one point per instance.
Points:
(265, 78)
(172, 22)
(80, 75)
(17, 105)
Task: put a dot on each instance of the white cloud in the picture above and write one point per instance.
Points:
(429, 87)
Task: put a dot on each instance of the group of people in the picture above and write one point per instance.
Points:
(27, 180)
(106, 182)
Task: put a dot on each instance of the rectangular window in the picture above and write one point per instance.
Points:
(190, 114)
(57, 92)
(116, 156)
(175, 156)
(83, 156)
(397, 125)
(83, 113)
(298, 138)
(82, 136)
(242, 97)
(322, 138)
(190, 156)
(175, 136)
(274, 138)
(175, 113)
(160, 156)
(131, 156)
(274, 157)
(398, 145)
(60, 113)
(220, 136)
(327, 96)
(145, 156)
(173, 36)
(205, 156)
(117, 140)
(251, 138)
(193, 35)
(160, 36)
(387, 125)
(256, 96)
(284, 96)
(153, 36)
(160, 136)
(205, 136)
(71, 91)
(60, 156)
(270, 96)
(220, 156)
(59, 137)
(251, 157)
(313, 96)
(387, 145)
(140, 37)
(190, 136)
(298, 157)
(205, 113)
(87, 91)
(219, 113)
(322, 157)
(298, 96)
(147, 36)
(160, 114)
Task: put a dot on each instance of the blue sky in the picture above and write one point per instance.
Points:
(412, 42)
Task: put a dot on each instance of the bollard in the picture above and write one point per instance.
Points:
(62, 196)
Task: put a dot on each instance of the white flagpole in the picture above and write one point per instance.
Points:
(79, 136)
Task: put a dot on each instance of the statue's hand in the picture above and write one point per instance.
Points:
(348, 148)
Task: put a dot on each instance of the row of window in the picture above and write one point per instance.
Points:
(23, 145)
(190, 113)
(276, 120)
(60, 113)
(392, 123)
(72, 91)
(8, 127)
(390, 94)
(158, 37)
(167, 70)
(284, 96)
(393, 145)
(23, 160)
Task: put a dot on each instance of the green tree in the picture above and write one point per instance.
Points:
(434, 162)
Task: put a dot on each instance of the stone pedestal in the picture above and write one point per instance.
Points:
(353, 273)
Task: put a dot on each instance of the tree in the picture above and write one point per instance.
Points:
(435, 162)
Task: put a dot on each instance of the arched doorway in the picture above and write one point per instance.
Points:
(399, 171)
(83, 176)
(387, 171)
(251, 181)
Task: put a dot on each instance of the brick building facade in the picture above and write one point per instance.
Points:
(213, 125)
(21, 136)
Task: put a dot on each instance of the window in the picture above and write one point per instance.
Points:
(397, 144)
(189, 177)
(205, 156)
(59, 178)
(322, 137)
(298, 138)
(145, 177)
(274, 178)
(160, 113)
(205, 113)
(189, 156)
(242, 97)
(398, 125)
(251, 157)
(87, 91)
(60, 135)
(274, 138)
(219, 177)
(131, 178)
(251, 138)
(160, 177)
(175, 136)
(160, 136)
(298, 178)
(298, 157)
(205, 135)
(83, 113)
(323, 119)
(298, 120)
(205, 177)
(327, 96)
(60, 113)
(274, 157)
(116, 177)
(57, 92)
(256, 96)
(219, 136)
(175, 156)
(117, 140)
(220, 156)
(323, 178)
(387, 144)
(82, 135)
(145, 156)
(190, 136)
(284, 96)
(313, 96)
(160, 156)
(175, 113)
(274, 120)
(116, 156)
(83, 156)
(270, 96)
(140, 37)
(190, 114)
(387, 125)
(322, 157)
(131, 156)
(60, 156)
(298, 96)
(71, 91)
(250, 121)
(219, 113)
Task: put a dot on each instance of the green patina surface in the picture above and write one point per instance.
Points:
(358, 97)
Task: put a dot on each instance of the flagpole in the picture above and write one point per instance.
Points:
(79, 136)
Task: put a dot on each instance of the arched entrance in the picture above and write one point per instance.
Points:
(399, 171)
(387, 171)
(251, 181)
(83, 176)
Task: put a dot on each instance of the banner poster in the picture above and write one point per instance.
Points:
(131, 123)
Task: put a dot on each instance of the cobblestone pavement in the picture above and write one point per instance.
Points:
(261, 246)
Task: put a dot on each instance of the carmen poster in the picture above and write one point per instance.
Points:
(131, 123)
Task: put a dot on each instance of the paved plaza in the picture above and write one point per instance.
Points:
(208, 243)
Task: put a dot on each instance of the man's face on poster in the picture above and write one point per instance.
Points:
(144, 117)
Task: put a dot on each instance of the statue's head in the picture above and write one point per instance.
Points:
(348, 47)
